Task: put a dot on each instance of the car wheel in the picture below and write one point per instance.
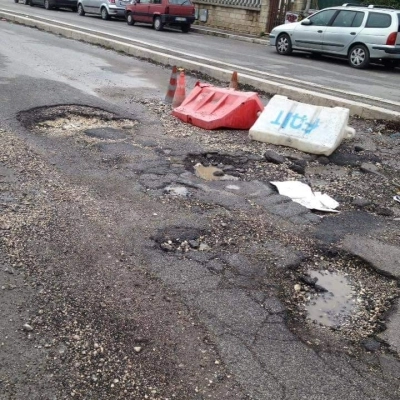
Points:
(104, 14)
(129, 19)
(185, 28)
(158, 25)
(47, 5)
(81, 11)
(284, 44)
(16, 1)
(26, 2)
(359, 56)
(31, 3)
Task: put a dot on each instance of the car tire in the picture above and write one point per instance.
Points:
(16, 1)
(284, 44)
(31, 3)
(158, 25)
(26, 2)
(358, 56)
(185, 28)
(129, 19)
(47, 5)
(81, 11)
(104, 14)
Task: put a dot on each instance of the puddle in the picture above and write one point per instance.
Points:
(212, 173)
(334, 307)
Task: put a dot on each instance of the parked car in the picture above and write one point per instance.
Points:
(105, 8)
(49, 4)
(179, 13)
(360, 33)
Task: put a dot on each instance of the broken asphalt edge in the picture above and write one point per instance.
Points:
(362, 110)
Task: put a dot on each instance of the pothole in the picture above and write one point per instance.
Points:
(211, 173)
(344, 295)
(176, 191)
(219, 166)
(181, 240)
(92, 124)
(335, 301)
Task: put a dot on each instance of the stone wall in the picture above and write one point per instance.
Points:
(240, 19)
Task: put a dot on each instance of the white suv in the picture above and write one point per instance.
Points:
(360, 33)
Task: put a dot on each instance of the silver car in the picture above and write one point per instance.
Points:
(105, 8)
(360, 33)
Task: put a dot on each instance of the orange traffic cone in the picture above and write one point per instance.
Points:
(169, 97)
(180, 93)
(234, 81)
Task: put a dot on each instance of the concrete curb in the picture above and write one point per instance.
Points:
(303, 95)
(226, 35)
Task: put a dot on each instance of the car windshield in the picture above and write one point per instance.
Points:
(180, 2)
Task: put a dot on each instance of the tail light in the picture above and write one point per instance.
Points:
(391, 40)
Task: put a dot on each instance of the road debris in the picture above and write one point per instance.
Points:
(302, 194)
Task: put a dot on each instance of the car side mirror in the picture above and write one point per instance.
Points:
(306, 22)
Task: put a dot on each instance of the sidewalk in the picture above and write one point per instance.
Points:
(230, 34)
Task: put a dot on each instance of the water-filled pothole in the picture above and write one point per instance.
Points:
(336, 303)
(343, 294)
(211, 173)
(215, 165)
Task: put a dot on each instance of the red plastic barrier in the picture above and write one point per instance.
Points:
(211, 107)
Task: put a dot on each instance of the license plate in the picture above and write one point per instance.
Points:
(180, 19)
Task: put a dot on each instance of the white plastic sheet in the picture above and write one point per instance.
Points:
(301, 193)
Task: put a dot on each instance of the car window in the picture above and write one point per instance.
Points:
(378, 20)
(180, 2)
(398, 19)
(322, 18)
(358, 19)
(348, 19)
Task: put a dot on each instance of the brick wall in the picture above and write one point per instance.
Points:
(240, 20)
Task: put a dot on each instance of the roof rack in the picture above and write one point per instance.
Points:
(367, 6)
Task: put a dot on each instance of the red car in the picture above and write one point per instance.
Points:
(159, 13)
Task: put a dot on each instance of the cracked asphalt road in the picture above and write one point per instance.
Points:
(106, 293)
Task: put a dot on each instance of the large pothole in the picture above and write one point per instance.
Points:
(343, 295)
(90, 123)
